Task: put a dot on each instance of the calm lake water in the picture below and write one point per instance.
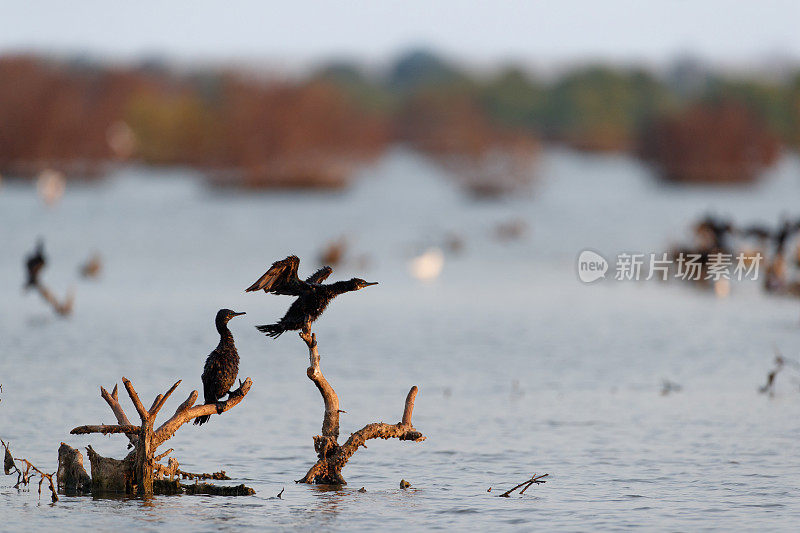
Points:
(521, 367)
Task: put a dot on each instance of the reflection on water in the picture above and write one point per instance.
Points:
(521, 367)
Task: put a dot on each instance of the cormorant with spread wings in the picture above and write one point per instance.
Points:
(313, 296)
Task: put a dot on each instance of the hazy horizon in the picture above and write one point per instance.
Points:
(299, 35)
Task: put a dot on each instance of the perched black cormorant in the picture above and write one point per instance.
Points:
(222, 364)
(313, 295)
(34, 264)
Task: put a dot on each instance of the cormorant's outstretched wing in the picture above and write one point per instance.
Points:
(281, 278)
(320, 275)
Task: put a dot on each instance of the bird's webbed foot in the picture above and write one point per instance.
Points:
(220, 407)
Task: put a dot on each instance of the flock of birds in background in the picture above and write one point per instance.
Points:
(758, 242)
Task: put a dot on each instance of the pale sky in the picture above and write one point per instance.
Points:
(552, 31)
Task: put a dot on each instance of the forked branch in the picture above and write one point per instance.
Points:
(185, 412)
(145, 439)
(332, 456)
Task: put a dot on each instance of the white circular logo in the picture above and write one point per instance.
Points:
(591, 266)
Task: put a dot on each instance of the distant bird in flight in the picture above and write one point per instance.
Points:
(313, 296)
(222, 365)
(34, 264)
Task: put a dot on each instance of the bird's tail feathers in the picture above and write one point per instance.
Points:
(271, 330)
(200, 420)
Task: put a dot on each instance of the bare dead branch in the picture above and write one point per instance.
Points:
(188, 402)
(409, 408)
(122, 419)
(155, 402)
(24, 478)
(161, 400)
(137, 403)
(62, 308)
(137, 470)
(164, 454)
(331, 456)
(338, 459)
(221, 475)
(170, 470)
(527, 483)
(181, 416)
(330, 420)
(116, 408)
(106, 429)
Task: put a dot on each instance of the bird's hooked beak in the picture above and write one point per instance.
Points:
(367, 284)
(237, 314)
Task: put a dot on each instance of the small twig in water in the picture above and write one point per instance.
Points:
(527, 483)
(280, 494)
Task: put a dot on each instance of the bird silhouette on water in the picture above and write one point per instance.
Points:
(222, 365)
(34, 264)
(313, 296)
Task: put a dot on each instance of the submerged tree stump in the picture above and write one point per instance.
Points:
(135, 473)
(71, 475)
(332, 457)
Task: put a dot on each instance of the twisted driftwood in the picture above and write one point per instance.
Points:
(332, 457)
(24, 477)
(135, 472)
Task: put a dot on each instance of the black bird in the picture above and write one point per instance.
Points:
(34, 264)
(757, 231)
(784, 232)
(716, 230)
(222, 365)
(313, 296)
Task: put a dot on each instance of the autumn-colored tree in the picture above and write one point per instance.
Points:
(710, 142)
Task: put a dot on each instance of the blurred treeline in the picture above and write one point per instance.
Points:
(245, 129)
